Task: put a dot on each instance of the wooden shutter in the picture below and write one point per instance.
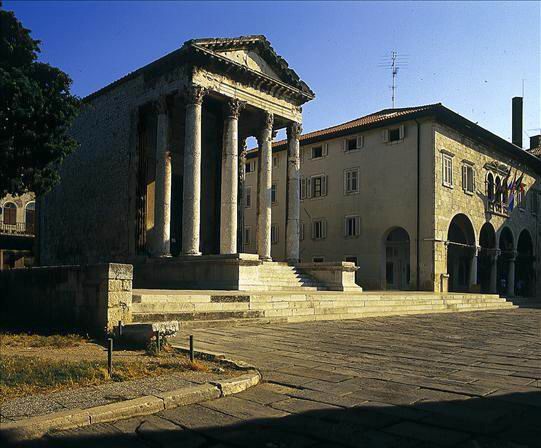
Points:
(346, 190)
(324, 183)
(303, 187)
(402, 132)
(465, 177)
(345, 145)
(323, 228)
(357, 225)
(309, 187)
(360, 141)
(325, 149)
(386, 135)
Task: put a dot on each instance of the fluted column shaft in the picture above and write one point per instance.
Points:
(191, 197)
(161, 246)
(229, 190)
(293, 192)
(265, 186)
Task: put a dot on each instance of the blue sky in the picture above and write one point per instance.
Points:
(471, 56)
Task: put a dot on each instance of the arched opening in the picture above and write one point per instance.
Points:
(507, 252)
(397, 259)
(524, 270)
(490, 187)
(487, 244)
(498, 192)
(30, 217)
(461, 254)
(10, 214)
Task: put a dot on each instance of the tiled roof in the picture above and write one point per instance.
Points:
(371, 119)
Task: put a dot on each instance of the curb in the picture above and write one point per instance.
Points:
(36, 427)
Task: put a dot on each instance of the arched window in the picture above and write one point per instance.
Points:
(490, 187)
(30, 217)
(498, 192)
(10, 213)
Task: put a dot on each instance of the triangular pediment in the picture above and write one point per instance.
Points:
(256, 54)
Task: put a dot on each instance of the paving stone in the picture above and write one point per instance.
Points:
(243, 409)
(263, 394)
(431, 434)
(198, 417)
(295, 405)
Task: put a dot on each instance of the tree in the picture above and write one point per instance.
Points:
(36, 111)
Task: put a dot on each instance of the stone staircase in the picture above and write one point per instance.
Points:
(226, 308)
(274, 276)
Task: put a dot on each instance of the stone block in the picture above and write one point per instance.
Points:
(189, 395)
(125, 409)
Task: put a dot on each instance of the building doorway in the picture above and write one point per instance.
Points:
(506, 254)
(524, 270)
(460, 253)
(397, 259)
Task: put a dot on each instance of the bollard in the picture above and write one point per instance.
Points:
(158, 341)
(119, 329)
(191, 348)
(110, 356)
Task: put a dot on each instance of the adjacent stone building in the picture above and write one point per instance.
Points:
(413, 197)
(17, 230)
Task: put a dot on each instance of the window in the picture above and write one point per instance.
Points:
(352, 226)
(30, 217)
(250, 166)
(274, 234)
(447, 168)
(468, 178)
(247, 236)
(273, 194)
(394, 134)
(490, 187)
(353, 143)
(318, 186)
(319, 151)
(301, 231)
(10, 213)
(319, 229)
(318, 259)
(351, 181)
(248, 197)
(275, 161)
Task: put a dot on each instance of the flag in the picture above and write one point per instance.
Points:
(511, 187)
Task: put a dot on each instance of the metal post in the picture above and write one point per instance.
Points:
(110, 356)
(157, 341)
(191, 349)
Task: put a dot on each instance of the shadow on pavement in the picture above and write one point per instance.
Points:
(507, 420)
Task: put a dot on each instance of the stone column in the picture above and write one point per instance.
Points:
(473, 268)
(265, 186)
(243, 149)
(293, 192)
(161, 246)
(511, 275)
(494, 273)
(229, 191)
(191, 198)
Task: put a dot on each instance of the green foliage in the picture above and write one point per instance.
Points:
(36, 111)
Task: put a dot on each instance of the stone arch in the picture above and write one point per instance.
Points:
(396, 256)
(461, 253)
(524, 269)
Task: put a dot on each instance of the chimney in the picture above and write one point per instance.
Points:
(535, 141)
(517, 121)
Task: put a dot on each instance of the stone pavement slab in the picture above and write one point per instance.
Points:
(462, 380)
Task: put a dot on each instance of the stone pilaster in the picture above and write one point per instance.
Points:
(161, 245)
(191, 205)
(229, 191)
(511, 275)
(294, 131)
(265, 186)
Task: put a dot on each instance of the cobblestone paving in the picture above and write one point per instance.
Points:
(464, 380)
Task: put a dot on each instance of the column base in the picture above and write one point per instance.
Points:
(162, 256)
(191, 254)
(265, 258)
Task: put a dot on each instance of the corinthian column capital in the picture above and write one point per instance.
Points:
(294, 131)
(194, 94)
(233, 107)
(268, 120)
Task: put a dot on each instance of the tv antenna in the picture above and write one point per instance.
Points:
(394, 63)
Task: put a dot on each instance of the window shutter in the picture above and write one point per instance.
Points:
(323, 228)
(324, 185)
(357, 225)
(360, 141)
(325, 149)
(385, 135)
(346, 226)
(309, 187)
(303, 187)
(465, 177)
(346, 182)
(402, 132)
(473, 180)
(345, 144)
